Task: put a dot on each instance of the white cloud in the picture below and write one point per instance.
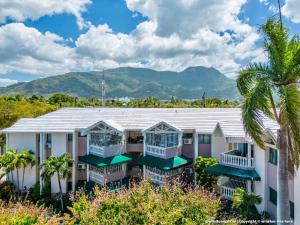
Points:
(27, 50)
(178, 34)
(7, 82)
(291, 10)
(34, 9)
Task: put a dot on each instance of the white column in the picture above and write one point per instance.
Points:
(88, 152)
(249, 186)
(42, 151)
(144, 153)
(6, 143)
(75, 160)
(249, 150)
(195, 146)
(124, 142)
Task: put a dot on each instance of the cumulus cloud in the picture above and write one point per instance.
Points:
(34, 9)
(27, 50)
(291, 10)
(7, 82)
(177, 34)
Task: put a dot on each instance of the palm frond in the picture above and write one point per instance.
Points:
(253, 73)
(289, 107)
(256, 105)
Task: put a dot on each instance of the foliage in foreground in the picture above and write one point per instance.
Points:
(144, 204)
(25, 213)
(141, 204)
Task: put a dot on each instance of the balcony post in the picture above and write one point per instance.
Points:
(195, 146)
(75, 160)
(42, 150)
(144, 154)
(88, 152)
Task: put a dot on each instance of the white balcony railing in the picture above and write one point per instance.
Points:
(228, 158)
(96, 177)
(106, 151)
(155, 177)
(227, 192)
(159, 151)
(96, 150)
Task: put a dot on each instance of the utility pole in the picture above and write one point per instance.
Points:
(280, 16)
(103, 93)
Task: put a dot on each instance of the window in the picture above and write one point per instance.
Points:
(162, 140)
(204, 139)
(273, 156)
(292, 210)
(70, 137)
(134, 137)
(48, 138)
(273, 196)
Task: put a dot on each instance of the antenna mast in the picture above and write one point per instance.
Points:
(103, 94)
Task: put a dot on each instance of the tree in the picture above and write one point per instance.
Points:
(245, 203)
(205, 179)
(260, 84)
(27, 159)
(59, 166)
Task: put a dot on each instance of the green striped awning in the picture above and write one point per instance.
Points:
(164, 164)
(103, 162)
(223, 170)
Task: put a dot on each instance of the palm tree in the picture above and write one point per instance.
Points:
(58, 165)
(260, 84)
(27, 159)
(8, 160)
(245, 202)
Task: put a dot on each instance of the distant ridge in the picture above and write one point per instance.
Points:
(133, 83)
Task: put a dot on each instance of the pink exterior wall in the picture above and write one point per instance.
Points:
(188, 150)
(82, 146)
(204, 150)
(134, 147)
(81, 174)
(272, 182)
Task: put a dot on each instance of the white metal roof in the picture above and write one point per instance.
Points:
(202, 120)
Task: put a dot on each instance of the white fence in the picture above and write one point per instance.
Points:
(96, 177)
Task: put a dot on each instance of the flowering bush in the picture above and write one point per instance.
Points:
(144, 204)
(25, 213)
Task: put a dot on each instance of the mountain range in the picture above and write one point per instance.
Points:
(130, 82)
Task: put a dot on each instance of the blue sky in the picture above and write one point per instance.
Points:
(39, 40)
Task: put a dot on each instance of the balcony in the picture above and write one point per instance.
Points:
(227, 189)
(162, 152)
(106, 151)
(232, 158)
(96, 177)
(155, 177)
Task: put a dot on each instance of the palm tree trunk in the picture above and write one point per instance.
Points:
(283, 205)
(23, 179)
(60, 193)
(18, 184)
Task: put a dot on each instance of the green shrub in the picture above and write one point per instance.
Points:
(7, 190)
(145, 204)
(244, 203)
(205, 179)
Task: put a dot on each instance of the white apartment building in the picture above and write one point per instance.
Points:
(111, 144)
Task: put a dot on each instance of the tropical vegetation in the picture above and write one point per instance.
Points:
(272, 89)
(141, 204)
(57, 166)
(205, 179)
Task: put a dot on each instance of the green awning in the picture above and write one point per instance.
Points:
(222, 170)
(103, 162)
(164, 164)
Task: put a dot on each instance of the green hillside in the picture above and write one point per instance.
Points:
(134, 83)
